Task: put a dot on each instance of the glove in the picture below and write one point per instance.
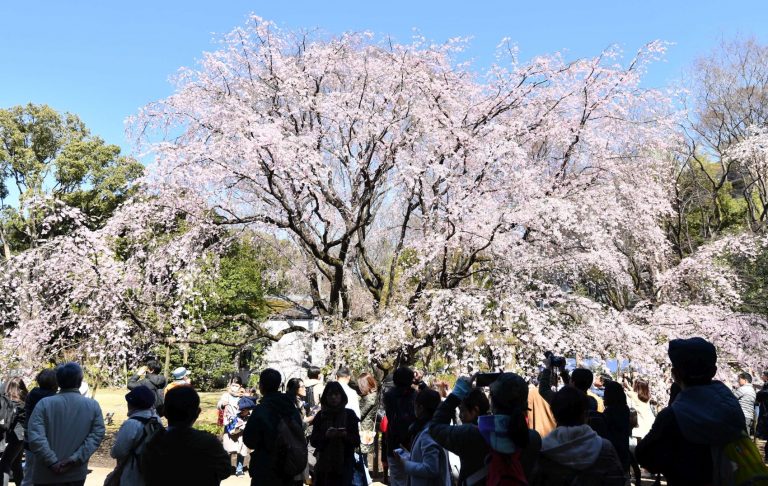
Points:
(462, 388)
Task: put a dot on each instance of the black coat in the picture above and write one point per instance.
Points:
(185, 456)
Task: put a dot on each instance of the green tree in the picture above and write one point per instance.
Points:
(47, 153)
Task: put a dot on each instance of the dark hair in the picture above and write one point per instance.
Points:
(343, 372)
(182, 405)
(403, 377)
(69, 375)
(236, 380)
(745, 376)
(330, 388)
(477, 398)
(643, 391)
(313, 372)
(16, 390)
(293, 385)
(605, 378)
(154, 366)
(269, 380)
(569, 406)
(582, 379)
(428, 400)
(674, 390)
(614, 395)
(367, 384)
(46, 379)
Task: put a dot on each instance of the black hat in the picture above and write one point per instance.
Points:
(695, 357)
(509, 391)
(141, 397)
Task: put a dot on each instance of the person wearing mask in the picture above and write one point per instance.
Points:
(573, 453)
(335, 436)
(260, 432)
(705, 413)
(16, 392)
(616, 416)
(427, 462)
(400, 413)
(506, 431)
(64, 431)
(46, 386)
(343, 375)
(746, 395)
(183, 454)
(131, 439)
(149, 376)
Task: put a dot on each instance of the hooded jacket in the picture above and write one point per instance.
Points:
(680, 442)
(577, 453)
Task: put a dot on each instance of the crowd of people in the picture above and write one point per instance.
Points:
(558, 428)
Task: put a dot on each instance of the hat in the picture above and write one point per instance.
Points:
(141, 397)
(246, 403)
(180, 373)
(509, 391)
(696, 357)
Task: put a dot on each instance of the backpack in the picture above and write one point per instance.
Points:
(290, 451)
(739, 463)
(311, 403)
(152, 427)
(7, 414)
(500, 470)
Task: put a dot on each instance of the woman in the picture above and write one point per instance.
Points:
(335, 435)
(427, 463)
(616, 417)
(47, 386)
(16, 392)
(297, 391)
(368, 407)
(235, 433)
(228, 407)
(639, 398)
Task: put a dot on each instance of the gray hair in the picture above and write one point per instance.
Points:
(69, 375)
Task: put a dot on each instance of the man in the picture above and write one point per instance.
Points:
(314, 386)
(581, 379)
(399, 405)
(745, 394)
(762, 400)
(260, 432)
(64, 431)
(135, 433)
(150, 377)
(598, 387)
(181, 377)
(704, 414)
(182, 454)
(353, 399)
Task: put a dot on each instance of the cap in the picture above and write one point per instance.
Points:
(696, 357)
(141, 397)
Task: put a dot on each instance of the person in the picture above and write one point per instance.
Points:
(540, 416)
(705, 413)
(133, 436)
(149, 376)
(343, 375)
(581, 378)
(46, 386)
(232, 438)
(16, 392)
(746, 395)
(297, 391)
(183, 454)
(427, 463)
(400, 414)
(369, 405)
(639, 399)
(761, 399)
(260, 432)
(181, 377)
(314, 388)
(598, 387)
(235, 444)
(335, 436)
(64, 431)
(509, 432)
(616, 416)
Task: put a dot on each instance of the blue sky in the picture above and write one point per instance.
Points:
(103, 60)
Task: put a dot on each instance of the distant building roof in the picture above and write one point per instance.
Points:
(290, 308)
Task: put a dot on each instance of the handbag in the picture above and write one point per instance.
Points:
(113, 478)
(360, 475)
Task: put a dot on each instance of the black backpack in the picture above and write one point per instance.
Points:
(311, 397)
(7, 414)
(290, 453)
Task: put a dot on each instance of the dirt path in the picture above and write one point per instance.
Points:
(99, 474)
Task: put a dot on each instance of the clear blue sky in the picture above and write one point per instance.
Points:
(104, 59)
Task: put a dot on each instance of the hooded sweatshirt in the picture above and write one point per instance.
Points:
(568, 453)
(680, 442)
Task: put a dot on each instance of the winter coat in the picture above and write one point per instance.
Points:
(570, 454)
(540, 415)
(679, 445)
(746, 395)
(399, 403)
(33, 397)
(325, 476)
(260, 434)
(183, 455)
(618, 431)
(154, 382)
(64, 426)
(369, 406)
(127, 442)
(428, 463)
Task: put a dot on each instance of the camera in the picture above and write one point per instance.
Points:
(485, 379)
(555, 361)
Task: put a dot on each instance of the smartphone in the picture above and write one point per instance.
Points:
(485, 379)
